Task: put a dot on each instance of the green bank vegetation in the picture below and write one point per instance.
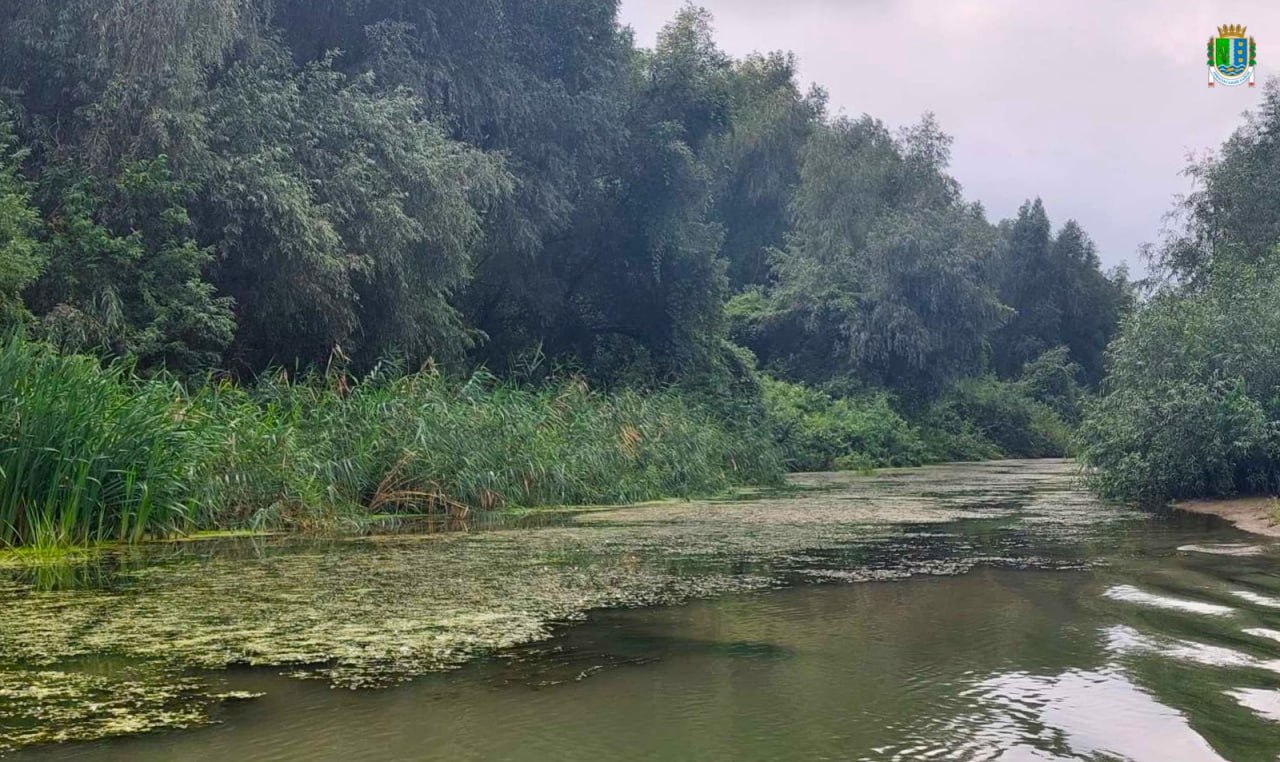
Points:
(625, 272)
(1192, 403)
(93, 454)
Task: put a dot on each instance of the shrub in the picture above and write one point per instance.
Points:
(1054, 380)
(983, 418)
(1192, 405)
(818, 432)
(1185, 439)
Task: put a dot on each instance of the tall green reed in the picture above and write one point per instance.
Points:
(89, 454)
(423, 443)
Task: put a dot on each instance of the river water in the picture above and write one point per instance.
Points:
(986, 611)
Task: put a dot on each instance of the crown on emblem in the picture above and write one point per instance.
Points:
(1231, 30)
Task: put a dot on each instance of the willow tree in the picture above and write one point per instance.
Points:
(544, 83)
(756, 163)
(342, 219)
(1233, 213)
(881, 279)
(113, 78)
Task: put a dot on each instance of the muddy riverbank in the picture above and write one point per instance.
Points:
(1256, 515)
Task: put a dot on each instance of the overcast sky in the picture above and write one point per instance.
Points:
(1091, 105)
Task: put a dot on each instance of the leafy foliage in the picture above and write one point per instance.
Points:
(817, 432)
(1054, 380)
(21, 254)
(1058, 294)
(1192, 408)
(988, 418)
(881, 278)
(1232, 215)
(123, 276)
(342, 219)
(757, 161)
(90, 454)
(1191, 405)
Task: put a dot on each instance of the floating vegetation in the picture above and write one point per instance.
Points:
(370, 611)
(29, 558)
(50, 706)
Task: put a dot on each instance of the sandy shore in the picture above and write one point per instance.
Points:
(1252, 514)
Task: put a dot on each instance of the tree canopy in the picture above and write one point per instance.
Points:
(240, 184)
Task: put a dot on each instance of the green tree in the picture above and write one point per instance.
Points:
(124, 276)
(1191, 405)
(341, 218)
(1233, 213)
(1058, 294)
(881, 277)
(21, 254)
(544, 83)
(106, 81)
(757, 162)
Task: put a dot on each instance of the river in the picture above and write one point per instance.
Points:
(969, 612)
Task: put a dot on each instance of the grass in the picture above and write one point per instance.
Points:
(94, 454)
(87, 454)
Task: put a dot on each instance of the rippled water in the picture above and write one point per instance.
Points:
(991, 611)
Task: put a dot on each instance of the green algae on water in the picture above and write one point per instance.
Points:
(370, 611)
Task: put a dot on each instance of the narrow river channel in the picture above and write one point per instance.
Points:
(985, 611)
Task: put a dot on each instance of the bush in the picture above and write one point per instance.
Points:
(984, 418)
(1054, 380)
(1188, 439)
(1192, 405)
(817, 432)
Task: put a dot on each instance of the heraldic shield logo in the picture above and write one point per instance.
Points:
(1232, 57)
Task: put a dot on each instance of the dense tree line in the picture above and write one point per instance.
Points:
(242, 184)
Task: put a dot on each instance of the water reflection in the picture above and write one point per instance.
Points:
(1080, 715)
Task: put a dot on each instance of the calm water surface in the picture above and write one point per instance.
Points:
(1038, 625)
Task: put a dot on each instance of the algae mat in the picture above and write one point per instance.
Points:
(135, 641)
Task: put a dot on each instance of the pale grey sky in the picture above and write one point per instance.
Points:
(1093, 105)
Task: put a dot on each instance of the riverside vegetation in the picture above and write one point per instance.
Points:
(303, 264)
(1192, 403)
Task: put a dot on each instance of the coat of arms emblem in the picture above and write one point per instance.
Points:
(1232, 57)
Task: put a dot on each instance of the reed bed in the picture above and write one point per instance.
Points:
(88, 453)
(93, 454)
